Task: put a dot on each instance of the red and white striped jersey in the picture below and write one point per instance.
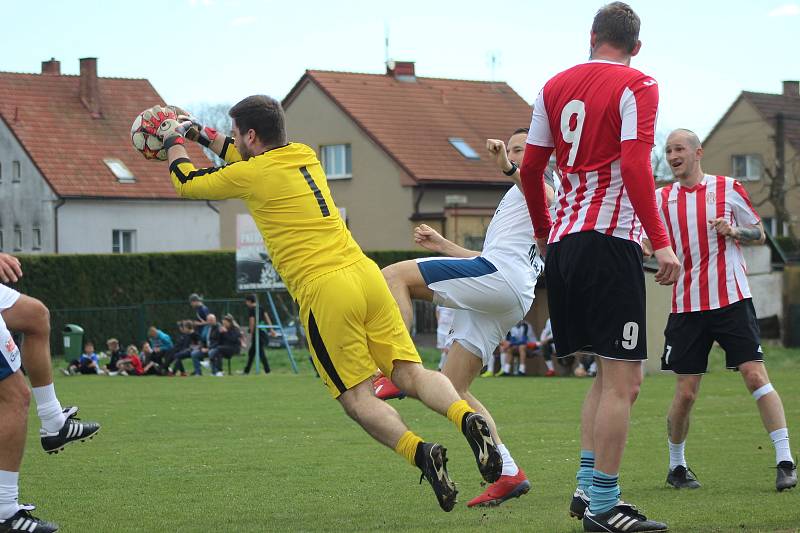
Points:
(713, 271)
(586, 112)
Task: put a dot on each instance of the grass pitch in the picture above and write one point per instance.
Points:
(275, 453)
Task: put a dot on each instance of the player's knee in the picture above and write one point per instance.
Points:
(39, 317)
(16, 395)
(687, 396)
(393, 274)
(633, 392)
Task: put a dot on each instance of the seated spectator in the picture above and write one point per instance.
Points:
(516, 343)
(210, 339)
(160, 342)
(188, 341)
(88, 363)
(548, 347)
(152, 363)
(586, 365)
(131, 365)
(114, 355)
(230, 344)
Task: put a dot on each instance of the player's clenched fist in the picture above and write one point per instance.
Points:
(497, 151)
(428, 238)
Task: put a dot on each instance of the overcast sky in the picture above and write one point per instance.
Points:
(703, 53)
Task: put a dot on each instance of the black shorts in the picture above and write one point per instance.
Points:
(595, 290)
(689, 336)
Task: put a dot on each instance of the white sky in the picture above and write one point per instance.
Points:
(703, 53)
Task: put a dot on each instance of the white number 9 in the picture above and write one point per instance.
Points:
(573, 137)
(630, 335)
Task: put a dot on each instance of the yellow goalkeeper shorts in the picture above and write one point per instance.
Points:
(353, 326)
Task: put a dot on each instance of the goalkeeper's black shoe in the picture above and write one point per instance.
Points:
(681, 477)
(434, 469)
(622, 518)
(579, 504)
(23, 520)
(787, 476)
(476, 430)
(73, 430)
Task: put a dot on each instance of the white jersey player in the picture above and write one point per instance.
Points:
(490, 292)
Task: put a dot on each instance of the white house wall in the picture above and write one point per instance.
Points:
(85, 226)
(27, 204)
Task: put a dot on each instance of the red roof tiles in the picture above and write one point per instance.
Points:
(413, 120)
(68, 145)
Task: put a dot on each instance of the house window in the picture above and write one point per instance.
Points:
(123, 241)
(37, 239)
(464, 148)
(337, 161)
(17, 238)
(120, 171)
(15, 172)
(746, 167)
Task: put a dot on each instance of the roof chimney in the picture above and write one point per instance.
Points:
(90, 90)
(791, 88)
(51, 67)
(401, 70)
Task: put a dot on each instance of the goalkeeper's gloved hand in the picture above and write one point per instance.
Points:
(198, 133)
(172, 132)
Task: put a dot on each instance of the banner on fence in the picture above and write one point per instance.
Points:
(254, 270)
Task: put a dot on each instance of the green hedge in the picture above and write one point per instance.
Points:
(121, 295)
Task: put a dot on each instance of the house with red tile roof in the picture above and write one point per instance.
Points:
(400, 150)
(70, 180)
(743, 144)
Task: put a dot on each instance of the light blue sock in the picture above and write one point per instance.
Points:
(604, 493)
(585, 471)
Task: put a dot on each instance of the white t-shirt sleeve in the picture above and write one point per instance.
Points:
(742, 209)
(539, 133)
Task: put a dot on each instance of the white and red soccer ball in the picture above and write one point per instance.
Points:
(143, 132)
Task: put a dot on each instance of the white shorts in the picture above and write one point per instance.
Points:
(443, 340)
(9, 353)
(8, 297)
(486, 305)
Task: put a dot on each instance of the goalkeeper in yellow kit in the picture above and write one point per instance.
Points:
(351, 319)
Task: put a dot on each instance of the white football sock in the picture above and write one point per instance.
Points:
(490, 364)
(780, 439)
(676, 456)
(549, 365)
(510, 468)
(521, 368)
(9, 492)
(506, 368)
(49, 408)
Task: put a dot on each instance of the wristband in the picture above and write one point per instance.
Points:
(169, 142)
(512, 170)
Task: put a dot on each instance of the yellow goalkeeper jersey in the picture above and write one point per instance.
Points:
(287, 194)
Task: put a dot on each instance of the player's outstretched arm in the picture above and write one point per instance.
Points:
(209, 137)
(212, 183)
(432, 240)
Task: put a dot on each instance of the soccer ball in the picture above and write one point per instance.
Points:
(143, 135)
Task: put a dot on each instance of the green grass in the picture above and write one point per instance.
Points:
(275, 453)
